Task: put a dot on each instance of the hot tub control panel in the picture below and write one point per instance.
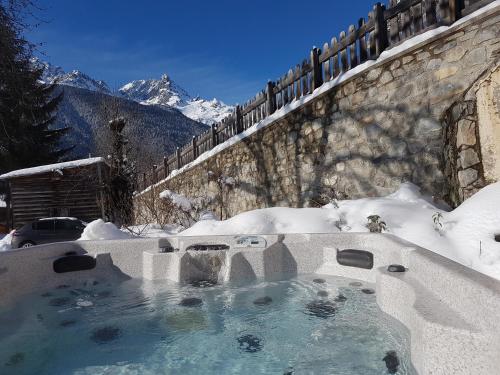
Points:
(250, 241)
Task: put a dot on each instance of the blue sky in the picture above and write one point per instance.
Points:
(212, 48)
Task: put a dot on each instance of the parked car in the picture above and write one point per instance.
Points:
(41, 231)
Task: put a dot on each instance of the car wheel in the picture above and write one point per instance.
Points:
(27, 244)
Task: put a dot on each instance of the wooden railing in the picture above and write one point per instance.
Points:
(384, 28)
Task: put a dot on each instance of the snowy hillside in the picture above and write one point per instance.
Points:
(163, 92)
(56, 75)
(161, 129)
(166, 92)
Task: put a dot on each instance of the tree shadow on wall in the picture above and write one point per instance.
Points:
(362, 152)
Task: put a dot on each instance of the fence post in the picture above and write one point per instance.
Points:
(380, 29)
(455, 10)
(239, 119)
(194, 147)
(317, 79)
(213, 135)
(155, 174)
(271, 102)
(178, 156)
(165, 166)
(449, 11)
(144, 182)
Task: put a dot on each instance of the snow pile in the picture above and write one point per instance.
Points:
(180, 201)
(154, 230)
(465, 234)
(207, 215)
(269, 221)
(99, 230)
(5, 242)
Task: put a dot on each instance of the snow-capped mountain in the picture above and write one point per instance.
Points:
(163, 92)
(55, 74)
(166, 92)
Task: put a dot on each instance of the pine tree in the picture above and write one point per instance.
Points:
(120, 187)
(27, 106)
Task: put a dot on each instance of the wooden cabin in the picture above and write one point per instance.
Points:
(74, 189)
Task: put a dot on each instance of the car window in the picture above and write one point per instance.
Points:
(68, 225)
(45, 225)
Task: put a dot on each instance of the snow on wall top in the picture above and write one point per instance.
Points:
(51, 167)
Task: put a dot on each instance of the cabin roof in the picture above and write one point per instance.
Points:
(51, 168)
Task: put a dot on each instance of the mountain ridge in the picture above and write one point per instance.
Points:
(162, 92)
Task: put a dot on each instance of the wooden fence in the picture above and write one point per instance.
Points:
(384, 28)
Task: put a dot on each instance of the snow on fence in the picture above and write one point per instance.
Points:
(383, 29)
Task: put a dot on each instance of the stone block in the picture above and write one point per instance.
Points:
(426, 126)
(466, 133)
(349, 88)
(423, 56)
(373, 74)
(440, 48)
(445, 72)
(408, 59)
(434, 64)
(455, 54)
(467, 177)
(468, 158)
(386, 78)
(395, 65)
(476, 56)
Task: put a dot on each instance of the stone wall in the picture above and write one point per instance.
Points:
(404, 119)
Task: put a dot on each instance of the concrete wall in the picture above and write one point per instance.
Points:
(388, 124)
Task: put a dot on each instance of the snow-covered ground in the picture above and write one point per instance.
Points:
(465, 234)
(5, 242)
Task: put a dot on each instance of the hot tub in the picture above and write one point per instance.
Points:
(291, 304)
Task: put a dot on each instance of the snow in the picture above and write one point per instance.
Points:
(5, 242)
(165, 92)
(467, 235)
(56, 75)
(162, 92)
(178, 200)
(99, 230)
(59, 218)
(153, 230)
(282, 112)
(51, 168)
(206, 111)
